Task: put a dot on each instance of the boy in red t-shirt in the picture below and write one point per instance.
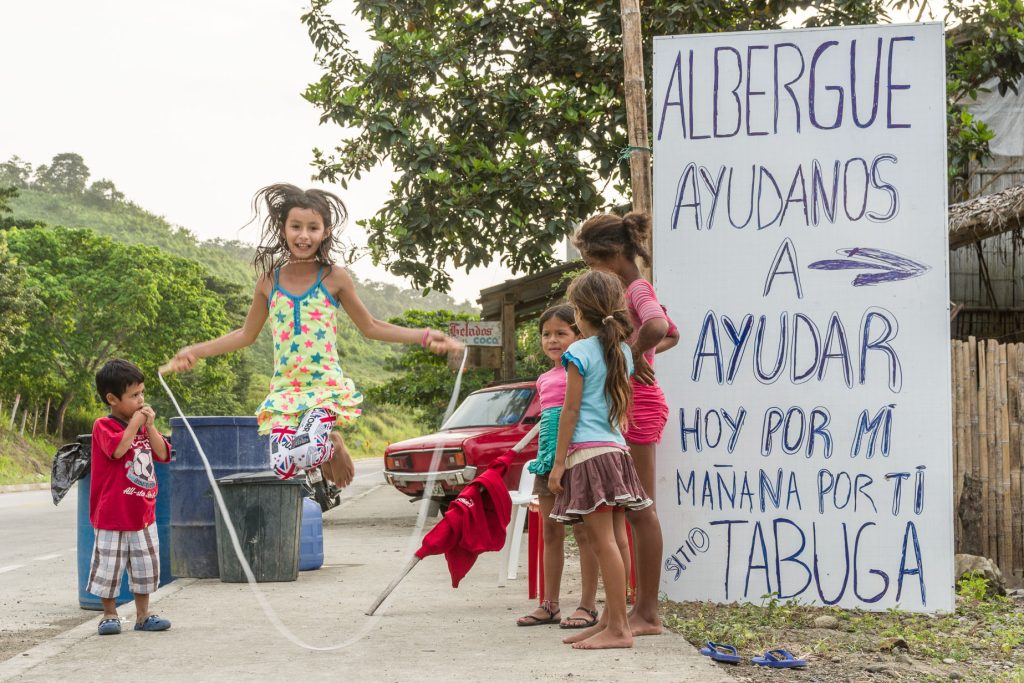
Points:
(122, 496)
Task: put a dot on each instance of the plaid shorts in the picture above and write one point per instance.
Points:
(114, 550)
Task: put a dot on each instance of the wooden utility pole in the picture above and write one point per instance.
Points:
(636, 110)
(508, 337)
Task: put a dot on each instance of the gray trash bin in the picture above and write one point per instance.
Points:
(267, 516)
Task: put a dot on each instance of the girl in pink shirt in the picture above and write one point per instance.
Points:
(613, 243)
(557, 331)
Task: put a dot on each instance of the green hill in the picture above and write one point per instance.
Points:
(126, 222)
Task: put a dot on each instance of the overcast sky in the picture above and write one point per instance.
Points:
(188, 106)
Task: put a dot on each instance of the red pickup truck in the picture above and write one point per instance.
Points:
(485, 425)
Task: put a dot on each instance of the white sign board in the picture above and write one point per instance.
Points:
(800, 242)
(476, 332)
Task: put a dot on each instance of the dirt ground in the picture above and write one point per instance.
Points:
(981, 641)
(13, 643)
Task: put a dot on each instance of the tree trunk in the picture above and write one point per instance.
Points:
(14, 411)
(46, 417)
(65, 401)
(24, 419)
(636, 110)
(35, 420)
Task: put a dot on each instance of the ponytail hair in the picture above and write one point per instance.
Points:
(604, 235)
(599, 299)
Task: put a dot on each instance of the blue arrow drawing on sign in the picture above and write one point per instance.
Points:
(888, 267)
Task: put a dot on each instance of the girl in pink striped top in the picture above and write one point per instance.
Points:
(613, 243)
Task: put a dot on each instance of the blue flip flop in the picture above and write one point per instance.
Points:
(721, 653)
(779, 659)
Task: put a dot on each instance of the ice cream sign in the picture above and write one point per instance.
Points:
(476, 332)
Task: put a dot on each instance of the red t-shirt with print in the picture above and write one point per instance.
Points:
(122, 492)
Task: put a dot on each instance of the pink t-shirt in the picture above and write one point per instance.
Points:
(551, 388)
(643, 306)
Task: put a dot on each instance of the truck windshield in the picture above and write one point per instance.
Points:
(491, 409)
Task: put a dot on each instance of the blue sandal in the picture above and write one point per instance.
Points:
(153, 623)
(110, 627)
(721, 653)
(779, 659)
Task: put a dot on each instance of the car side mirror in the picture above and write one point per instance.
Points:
(532, 420)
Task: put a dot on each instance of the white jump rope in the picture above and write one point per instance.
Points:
(411, 545)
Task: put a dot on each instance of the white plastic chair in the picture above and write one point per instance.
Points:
(508, 566)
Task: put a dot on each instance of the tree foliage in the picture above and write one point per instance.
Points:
(97, 299)
(985, 49)
(6, 195)
(505, 120)
(103, 192)
(424, 382)
(15, 172)
(14, 299)
(65, 173)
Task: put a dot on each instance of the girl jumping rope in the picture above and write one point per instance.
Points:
(593, 478)
(299, 289)
(612, 244)
(557, 331)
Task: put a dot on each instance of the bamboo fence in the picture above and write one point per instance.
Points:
(988, 409)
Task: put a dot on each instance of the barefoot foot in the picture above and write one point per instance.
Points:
(340, 469)
(644, 627)
(584, 634)
(605, 640)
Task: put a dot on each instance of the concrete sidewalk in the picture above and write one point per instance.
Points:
(429, 631)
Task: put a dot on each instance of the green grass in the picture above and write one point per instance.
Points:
(24, 460)
(983, 629)
(377, 427)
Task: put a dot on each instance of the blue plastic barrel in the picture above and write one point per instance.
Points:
(232, 446)
(87, 537)
(311, 536)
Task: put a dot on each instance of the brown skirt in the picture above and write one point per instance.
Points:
(608, 479)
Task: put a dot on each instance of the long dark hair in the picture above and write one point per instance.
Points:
(603, 235)
(275, 201)
(564, 313)
(599, 299)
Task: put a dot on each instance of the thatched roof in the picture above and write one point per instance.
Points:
(986, 216)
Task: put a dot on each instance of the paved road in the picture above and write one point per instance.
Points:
(38, 555)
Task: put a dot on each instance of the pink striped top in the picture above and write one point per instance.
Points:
(643, 306)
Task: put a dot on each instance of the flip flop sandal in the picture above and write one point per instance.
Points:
(586, 623)
(779, 659)
(554, 616)
(721, 653)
